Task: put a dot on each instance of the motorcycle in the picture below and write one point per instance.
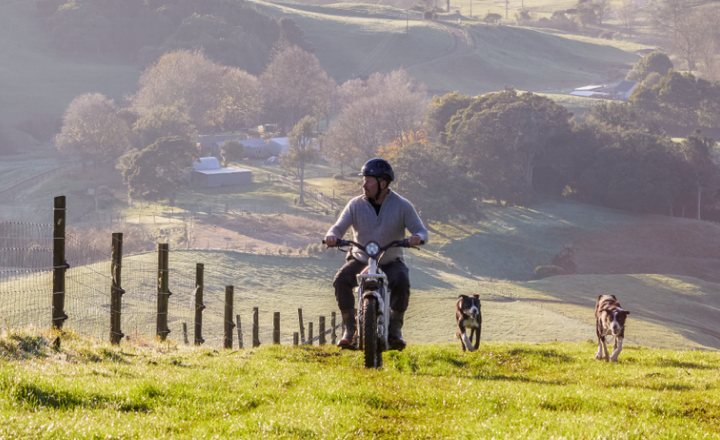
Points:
(373, 301)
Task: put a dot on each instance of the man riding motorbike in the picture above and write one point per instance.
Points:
(382, 216)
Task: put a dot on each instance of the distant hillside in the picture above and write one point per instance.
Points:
(36, 79)
(513, 241)
(352, 40)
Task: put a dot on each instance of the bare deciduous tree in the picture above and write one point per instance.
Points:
(214, 96)
(627, 14)
(294, 85)
(303, 151)
(375, 112)
(92, 127)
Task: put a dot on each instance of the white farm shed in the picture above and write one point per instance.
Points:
(209, 174)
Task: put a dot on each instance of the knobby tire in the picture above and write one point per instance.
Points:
(371, 348)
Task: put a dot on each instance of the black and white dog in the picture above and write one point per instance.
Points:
(468, 315)
(610, 320)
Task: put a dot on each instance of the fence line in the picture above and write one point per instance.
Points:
(29, 293)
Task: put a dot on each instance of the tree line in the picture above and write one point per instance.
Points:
(451, 154)
(185, 93)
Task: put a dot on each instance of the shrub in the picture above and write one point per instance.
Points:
(105, 197)
(607, 35)
(492, 18)
(547, 271)
(338, 177)
(429, 15)
(279, 251)
(565, 259)
(650, 80)
(523, 16)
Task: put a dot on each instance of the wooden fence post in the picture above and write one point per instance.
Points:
(59, 264)
(302, 326)
(321, 331)
(229, 296)
(239, 330)
(296, 337)
(163, 291)
(185, 337)
(333, 335)
(116, 290)
(276, 328)
(256, 327)
(310, 334)
(199, 306)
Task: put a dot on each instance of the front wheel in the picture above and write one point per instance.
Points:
(371, 348)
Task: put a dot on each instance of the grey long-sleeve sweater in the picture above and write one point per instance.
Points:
(396, 215)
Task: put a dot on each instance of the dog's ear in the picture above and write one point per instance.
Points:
(626, 312)
(462, 296)
(476, 295)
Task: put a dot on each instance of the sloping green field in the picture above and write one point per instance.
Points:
(85, 389)
(511, 242)
(666, 311)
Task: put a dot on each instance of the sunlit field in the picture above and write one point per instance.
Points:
(85, 389)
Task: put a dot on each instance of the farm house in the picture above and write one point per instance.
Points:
(209, 174)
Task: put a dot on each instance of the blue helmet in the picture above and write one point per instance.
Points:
(379, 168)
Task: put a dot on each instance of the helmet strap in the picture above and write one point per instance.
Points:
(379, 190)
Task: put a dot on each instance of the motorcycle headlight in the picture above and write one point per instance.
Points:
(372, 249)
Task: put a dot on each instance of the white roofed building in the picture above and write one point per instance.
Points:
(209, 174)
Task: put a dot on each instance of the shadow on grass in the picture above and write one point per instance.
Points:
(544, 354)
(680, 364)
(40, 396)
(504, 377)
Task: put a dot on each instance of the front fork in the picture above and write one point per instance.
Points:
(383, 305)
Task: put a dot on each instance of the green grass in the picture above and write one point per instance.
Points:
(555, 390)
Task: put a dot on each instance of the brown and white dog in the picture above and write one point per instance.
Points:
(610, 320)
(468, 315)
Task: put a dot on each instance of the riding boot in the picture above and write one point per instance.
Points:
(348, 317)
(395, 339)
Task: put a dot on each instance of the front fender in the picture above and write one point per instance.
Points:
(376, 294)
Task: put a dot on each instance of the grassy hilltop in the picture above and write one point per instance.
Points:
(86, 389)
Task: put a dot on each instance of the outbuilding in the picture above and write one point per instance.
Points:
(209, 174)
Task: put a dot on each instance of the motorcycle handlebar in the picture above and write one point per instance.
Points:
(401, 243)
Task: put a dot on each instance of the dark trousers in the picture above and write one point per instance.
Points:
(398, 281)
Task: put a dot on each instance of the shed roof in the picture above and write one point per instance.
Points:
(624, 86)
(253, 143)
(207, 163)
(588, 88)
(590, 94)
(283, 141)
(228, 170)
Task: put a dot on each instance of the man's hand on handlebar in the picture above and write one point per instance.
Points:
(330, 240)
(413, 241)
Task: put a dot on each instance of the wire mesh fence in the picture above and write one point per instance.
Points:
(25, 273)
(26, 293)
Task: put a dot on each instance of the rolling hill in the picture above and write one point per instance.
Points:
(352, 40)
